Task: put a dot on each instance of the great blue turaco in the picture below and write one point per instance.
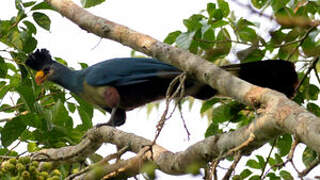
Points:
(122, 84)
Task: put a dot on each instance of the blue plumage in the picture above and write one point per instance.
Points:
(127, 71)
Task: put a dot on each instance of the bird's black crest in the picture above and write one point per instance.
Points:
(38, 59)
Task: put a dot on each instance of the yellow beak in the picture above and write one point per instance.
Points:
(41, 77)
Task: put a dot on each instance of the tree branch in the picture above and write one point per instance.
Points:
(278, 114)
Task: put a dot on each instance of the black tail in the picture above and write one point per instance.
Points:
(274, 74)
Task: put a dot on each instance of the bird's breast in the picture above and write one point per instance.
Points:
(94, 95)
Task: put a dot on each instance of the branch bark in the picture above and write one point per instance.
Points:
(278, 114)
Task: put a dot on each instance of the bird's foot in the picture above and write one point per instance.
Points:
(105, 124)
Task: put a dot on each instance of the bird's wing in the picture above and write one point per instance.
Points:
(127, 71)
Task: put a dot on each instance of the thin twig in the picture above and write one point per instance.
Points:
(214, 165)
(268, 158)
(233, 166)
(207, 172)
(312, 65)
(184, 122)
(178, 93)
(238, 148)
(7, 157)
(19, 142)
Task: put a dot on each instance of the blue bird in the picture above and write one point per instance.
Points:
(122, 84)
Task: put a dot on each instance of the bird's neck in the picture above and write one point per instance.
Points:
(70, 79)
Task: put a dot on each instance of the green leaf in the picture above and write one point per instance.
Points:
(15, 39)
(18, 4)
(62, 61)
(258, 3)
(42, 6)
(208, 104)
(273, 176)
(218, 14)
(309, 46)
(278, 159)
(3, 68)
(33, 120)
(194, 46)
(286, 175)
(247, 34)
(171, 38)
(184, 40)
(272, 163)
(219, 23)
(72, 107)
(255, 177)
(224, 6)
(83, 65)
(245, 173)
(30, 27)
(284, 144)
(85, 111)
(42, 20)
(26, 93)
(60, 116)
(223, 48)
(277, 5)
(314, 108)
(28, 42)
(5, 27)
(308, 156)
(277, 37)
(211, 7)
(12, 130)
(213, 129)
(286, 51)
(91, 3)
(33, 147)
(4, 89)
(28, 4)
(193, 23)
(208, 39)
(242, 23)
(261, 161)
(312, 92)
(226, 112)
(253, 164)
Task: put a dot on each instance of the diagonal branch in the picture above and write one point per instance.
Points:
(278, 114)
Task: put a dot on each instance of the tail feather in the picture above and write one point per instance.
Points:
(275, 74)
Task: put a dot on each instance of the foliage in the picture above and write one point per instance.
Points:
(41, 115)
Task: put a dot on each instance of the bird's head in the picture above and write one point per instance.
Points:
(42, 62)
